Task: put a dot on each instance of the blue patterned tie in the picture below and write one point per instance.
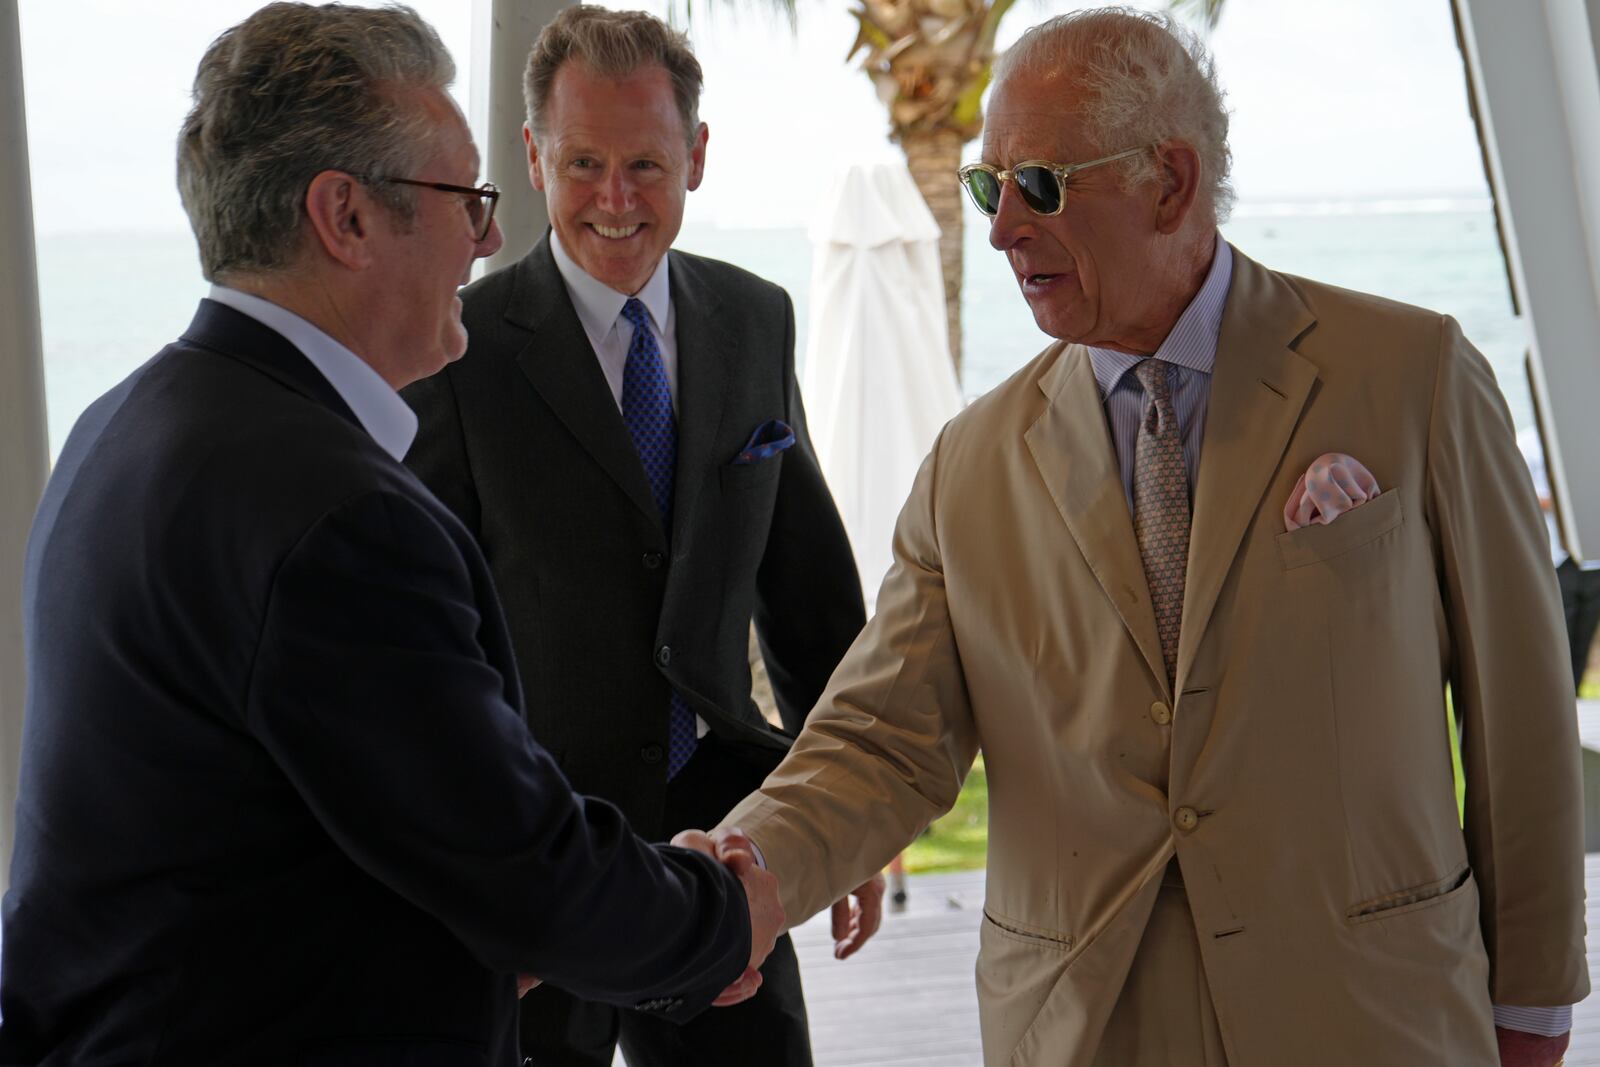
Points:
(647, 412)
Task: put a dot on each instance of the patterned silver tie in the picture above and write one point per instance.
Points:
(1161, 507)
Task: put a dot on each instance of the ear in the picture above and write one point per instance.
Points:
(1178, 175)
(697, 157)
(342, 215)
(535, 176)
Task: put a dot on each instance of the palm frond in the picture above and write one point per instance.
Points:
(1209, 11)
(788, 9)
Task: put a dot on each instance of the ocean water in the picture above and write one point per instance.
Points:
(111, 300)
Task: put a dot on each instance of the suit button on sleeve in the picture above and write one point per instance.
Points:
(650, 753)
(663, 656)
(652, 561)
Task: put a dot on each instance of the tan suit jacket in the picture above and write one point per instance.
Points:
(1303, 776)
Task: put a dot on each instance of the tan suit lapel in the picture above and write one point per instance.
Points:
(1258, 389)
(1071, 445)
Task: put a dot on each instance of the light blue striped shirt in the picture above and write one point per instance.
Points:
(1190, 351)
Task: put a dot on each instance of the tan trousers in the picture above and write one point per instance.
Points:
(1164, 1016)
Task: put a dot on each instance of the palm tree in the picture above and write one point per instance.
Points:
(931, 61)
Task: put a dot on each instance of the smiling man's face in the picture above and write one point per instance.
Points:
(615, 165)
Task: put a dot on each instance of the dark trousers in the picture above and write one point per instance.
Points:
(559, 1030)
(1580, 601)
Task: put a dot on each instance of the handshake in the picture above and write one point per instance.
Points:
(855, 918)
(736, 852)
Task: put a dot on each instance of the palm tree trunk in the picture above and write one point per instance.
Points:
(933, 157)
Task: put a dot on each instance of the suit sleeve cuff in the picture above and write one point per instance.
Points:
(1546, 1022)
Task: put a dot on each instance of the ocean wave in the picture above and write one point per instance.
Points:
(1438, 205)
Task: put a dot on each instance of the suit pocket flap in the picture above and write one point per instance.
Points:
(1414, 898)
(1356, 527)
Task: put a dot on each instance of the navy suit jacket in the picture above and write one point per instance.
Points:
(279, 803)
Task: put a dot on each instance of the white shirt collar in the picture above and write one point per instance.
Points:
(375, 405)
(1192, 343)
(599, 306)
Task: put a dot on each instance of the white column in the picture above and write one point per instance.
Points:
(1533, 65)
(503, 32)
(24, 445)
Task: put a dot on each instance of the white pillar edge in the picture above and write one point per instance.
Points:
(1533, 67)
(24, 442)
(503, 32)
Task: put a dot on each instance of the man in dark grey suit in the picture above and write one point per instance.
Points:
(626, 438)
(278, 801)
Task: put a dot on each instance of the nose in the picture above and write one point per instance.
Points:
(1012, 221)
(491, 241)
(615, 195)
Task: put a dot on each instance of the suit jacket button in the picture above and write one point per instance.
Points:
(1186, 818)
(663, 656)
(652, 560)
(650, 753)
(1160, 713)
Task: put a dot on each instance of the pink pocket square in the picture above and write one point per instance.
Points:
(1331, 486)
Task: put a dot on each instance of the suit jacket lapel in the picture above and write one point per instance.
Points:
(706, 353)
(1259, 387)
(559, 362)
(1071, 445)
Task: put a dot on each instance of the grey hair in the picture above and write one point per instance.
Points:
(292, 91)
(613, 44)
(1148, 78)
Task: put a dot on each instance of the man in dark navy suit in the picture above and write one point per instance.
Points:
(626, 438)
(279, 804)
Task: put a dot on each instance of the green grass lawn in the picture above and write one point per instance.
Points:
(960, 840)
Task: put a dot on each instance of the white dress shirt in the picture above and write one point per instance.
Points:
(599, 309)
(379, 409)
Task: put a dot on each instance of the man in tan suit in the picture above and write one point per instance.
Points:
(1209, 682)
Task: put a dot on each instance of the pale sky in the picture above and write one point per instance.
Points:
(1361, 99)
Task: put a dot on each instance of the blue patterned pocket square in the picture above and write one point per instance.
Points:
(770, 438)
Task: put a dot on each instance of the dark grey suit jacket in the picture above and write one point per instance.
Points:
(522, 438)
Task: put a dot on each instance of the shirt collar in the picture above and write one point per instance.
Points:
(379, 409)
(598, 305)
(1192, 343)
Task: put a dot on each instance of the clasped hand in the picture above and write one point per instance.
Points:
(733, 850)
(854, 920)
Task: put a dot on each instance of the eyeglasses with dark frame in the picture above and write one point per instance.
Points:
(1041, 183)
(480, 200)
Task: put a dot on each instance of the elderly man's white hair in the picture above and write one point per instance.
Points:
(1147, 78)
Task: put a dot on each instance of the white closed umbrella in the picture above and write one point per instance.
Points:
(878, 379)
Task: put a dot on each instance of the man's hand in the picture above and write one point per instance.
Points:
(1518, 1049)
(525, 982)
(734, 850)
(855, 921)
